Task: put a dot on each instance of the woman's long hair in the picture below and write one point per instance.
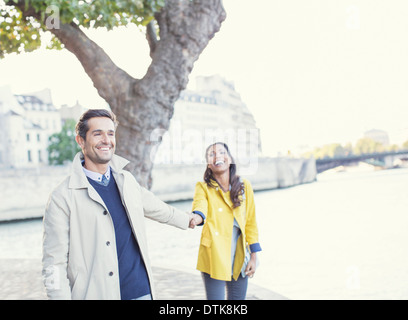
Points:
(237, 187)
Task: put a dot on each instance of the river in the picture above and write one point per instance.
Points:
(342, 237)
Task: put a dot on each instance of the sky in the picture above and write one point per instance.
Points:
(312, 72)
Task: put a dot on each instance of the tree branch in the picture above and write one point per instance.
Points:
(185, 27)
(107, 77)
(151, 37)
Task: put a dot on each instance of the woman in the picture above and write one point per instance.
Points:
(230, 232)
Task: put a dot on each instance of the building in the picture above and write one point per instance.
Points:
(71, 113)
(213, 112)
(26, 122)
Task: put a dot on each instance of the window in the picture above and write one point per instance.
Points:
(28, 137)
(29, 156)
(38, 137)
(39, 156)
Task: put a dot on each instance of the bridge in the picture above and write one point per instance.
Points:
(384, 159)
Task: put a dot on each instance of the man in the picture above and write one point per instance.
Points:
(94, 244)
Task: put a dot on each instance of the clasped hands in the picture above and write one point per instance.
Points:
(195, 220)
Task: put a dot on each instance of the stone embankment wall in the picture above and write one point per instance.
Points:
(177, 182)
(24, 193)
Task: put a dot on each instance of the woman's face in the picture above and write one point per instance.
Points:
(218, 159)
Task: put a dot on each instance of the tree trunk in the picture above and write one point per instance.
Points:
(141, 106)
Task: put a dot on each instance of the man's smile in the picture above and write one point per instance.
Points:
(104, 148)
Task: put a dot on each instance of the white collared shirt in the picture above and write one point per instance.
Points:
(96, 176)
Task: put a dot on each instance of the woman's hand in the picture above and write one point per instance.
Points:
(251, 267)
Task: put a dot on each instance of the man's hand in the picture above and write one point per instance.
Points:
(195, 220)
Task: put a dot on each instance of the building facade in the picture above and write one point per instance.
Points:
(26, 122)
(214, 112)
(71, 113)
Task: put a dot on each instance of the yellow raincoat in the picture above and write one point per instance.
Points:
(214, 256)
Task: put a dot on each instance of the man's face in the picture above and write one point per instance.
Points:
(99, 146)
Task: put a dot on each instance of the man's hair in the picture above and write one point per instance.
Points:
(82, 126)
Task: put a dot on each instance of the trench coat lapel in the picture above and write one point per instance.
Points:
(78, 179)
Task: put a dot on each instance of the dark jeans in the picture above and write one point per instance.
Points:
(215, 289)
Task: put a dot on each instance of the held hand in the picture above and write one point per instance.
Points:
(195, 220)
(251, 267)
(192, 223)
(198, 219)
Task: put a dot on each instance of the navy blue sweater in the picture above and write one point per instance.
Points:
(134, 281)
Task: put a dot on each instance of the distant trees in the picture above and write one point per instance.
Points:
(329, 151)
(363, 146)
(62, 145)
(368, 145)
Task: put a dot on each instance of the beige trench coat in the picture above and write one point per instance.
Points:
(79, 249)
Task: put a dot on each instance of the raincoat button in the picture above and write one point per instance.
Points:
(111, 274)
(105, 213)
(220, 209)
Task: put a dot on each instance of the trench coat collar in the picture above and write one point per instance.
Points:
(78, 179)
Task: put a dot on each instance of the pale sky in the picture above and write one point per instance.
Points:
(311, 71)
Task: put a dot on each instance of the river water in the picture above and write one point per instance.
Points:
(342, 237)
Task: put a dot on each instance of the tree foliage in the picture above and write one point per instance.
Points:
(330, 151)
(368, 145)
(19, 34)
(63, 146)
(362, 146)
